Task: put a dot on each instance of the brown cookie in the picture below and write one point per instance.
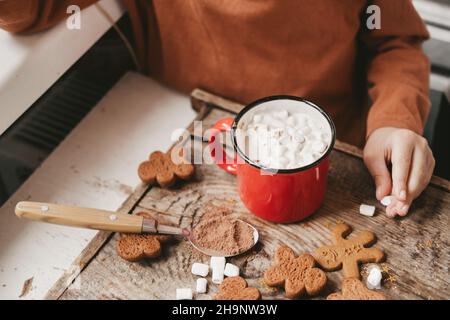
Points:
(348, 253)
(134, 247)
(235, 288)
(353, 289)
(297, 274)
(161, 170)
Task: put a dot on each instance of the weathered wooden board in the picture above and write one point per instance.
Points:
(417, 247)
(92, 167)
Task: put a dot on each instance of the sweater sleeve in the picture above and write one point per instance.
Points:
(398, 70)
(28, 16)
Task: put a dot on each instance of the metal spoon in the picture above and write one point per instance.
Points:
(110, 221)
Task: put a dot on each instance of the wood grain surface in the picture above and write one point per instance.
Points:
(417, 247)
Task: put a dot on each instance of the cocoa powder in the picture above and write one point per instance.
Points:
(224, 234)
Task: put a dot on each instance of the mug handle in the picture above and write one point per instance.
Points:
(217, 153)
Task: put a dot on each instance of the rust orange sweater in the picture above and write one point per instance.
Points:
(245, 49)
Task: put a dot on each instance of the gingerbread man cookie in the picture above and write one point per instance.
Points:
(297, 274)
(161, 170)
(353, 289)
(348, 253)
(235, 288)
(134, 247)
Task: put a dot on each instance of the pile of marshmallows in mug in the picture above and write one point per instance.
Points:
(284, 140)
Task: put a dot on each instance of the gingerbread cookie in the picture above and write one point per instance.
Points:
(297, 274)
(134, 247)
(348, 253)
(161, 170)
(353, 289)
(235, 288)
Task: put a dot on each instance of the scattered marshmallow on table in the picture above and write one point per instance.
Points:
(366, 210)
(217, 276)
(231, 270)
(386, 200)
(374, 277)
(217, 266)
(184, 294)
(202, 284)
(217, 262)
(200, 269)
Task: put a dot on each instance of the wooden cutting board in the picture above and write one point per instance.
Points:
(417, 247)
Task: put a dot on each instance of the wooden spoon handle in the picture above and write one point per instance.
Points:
(79, 217)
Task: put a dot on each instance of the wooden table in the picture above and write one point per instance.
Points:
(417, 247)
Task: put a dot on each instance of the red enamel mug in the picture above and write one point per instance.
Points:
(284, 195)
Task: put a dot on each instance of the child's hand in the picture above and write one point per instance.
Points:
(412, 166)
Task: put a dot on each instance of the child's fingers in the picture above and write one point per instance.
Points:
(397, 208)
(402, 208)
(401, 163)
(390, 211)
(376, 164)
(421, 171)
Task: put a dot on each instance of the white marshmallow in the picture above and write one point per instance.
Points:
(366, 210)
(202, 285)
(283, 161)
(326, 138)
(279, 162)
(292, 165)
(261, 125)
(301, 119)
(290, 130)
(217, 265)
(275, 123)
(272, 122)
(308, 158)
(280, 150)
(305, 130)
(231, 270)
(319, 146)
(217, 275)
(184, 294)
(298, 137)
(374, 277)
(200, 269)
(318, 135)
(290, 154)
(386, 200)
(257, 118)
(266, 119)
(218, 262)
(282, 114)
(316, 155)
(291, 121)
(252, 133)
(278, 133)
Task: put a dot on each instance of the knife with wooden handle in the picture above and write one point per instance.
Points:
(93, 218)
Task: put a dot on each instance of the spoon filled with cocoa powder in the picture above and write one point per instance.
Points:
(223, 236)
(217, 234)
